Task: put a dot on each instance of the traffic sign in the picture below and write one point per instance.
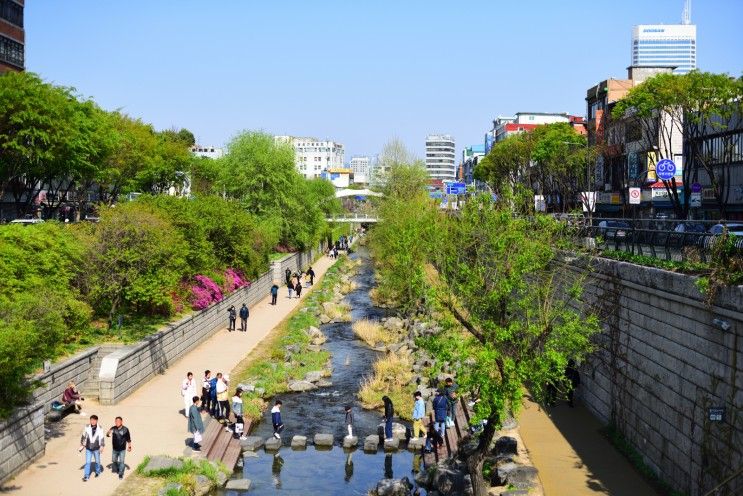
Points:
(635, 196)
(695, 200)
(696, 188)
(665, 169)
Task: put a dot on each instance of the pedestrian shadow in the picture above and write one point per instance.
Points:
(56, 429)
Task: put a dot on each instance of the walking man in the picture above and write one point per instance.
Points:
(311, 275)
(290, 286)
(451, 398)
(121, 442)
(232, 314)
(298, 287)
(92, 441)
(278, 425)
(274, 293)
(389, 412)
(195, 424)
(288, 276)
(214, 405)
(440, 407)
(205, 393)
(419, 411)
(244, 314)
(188, 391)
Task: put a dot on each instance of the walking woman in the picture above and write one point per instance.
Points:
(389, 412)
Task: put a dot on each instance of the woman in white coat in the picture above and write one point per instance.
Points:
(188, 391)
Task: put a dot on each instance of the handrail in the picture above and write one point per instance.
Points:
(724, 482)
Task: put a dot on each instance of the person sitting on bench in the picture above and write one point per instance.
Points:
(72, 397)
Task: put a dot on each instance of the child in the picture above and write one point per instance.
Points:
(349, 420)
(237, 428)
(278, 426)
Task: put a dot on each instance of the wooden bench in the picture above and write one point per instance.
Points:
(219, 445)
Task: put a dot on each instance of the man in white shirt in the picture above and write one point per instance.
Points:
(188, 391)
(92, 441)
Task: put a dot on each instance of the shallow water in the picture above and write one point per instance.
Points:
(321, 411)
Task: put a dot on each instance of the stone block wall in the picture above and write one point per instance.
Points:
(662, 360)
(52, 384)
(21, 440)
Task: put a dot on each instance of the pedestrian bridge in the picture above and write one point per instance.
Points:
(356, 218)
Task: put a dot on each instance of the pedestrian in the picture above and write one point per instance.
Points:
(213, 403)
(244, 314)
(389, 412)
(92, 441)
(232, 315)
(419, 411)
(237, 404)
(349, 419)
(188, 391)
(451, 398)
(278, 425)
(121, 442)
(311, 275)
(298, 287)
(440, 408)
(223, 381)
(288, 275)
(195, 424)
(572, 374)
(274, 293)
(205, 393)
(290, 287)
(70, 396)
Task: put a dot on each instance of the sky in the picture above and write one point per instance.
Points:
(358, 72)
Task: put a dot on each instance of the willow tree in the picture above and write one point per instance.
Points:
(521, 312)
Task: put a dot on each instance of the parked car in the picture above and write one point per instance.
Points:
(733, 229)
(612, 229)
(690, 227)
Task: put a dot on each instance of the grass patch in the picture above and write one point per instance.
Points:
(339, 312)
(686, 267)
(392, 376)
(266, 367)
(372, 333)
(348, 286)
(185, 476)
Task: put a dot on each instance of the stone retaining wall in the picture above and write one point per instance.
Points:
(21, 440)
(663, 360)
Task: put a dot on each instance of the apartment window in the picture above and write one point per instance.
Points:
(11, 52)
(11, 12)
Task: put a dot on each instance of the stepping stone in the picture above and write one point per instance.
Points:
(238, 485)
(299, 442)
(251, 443)
(350, 442)
(324, 440)
(273, 444)
(391, 444)
(371, 443)
(416, 443)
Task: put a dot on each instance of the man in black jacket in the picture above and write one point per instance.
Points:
(244, 314)
(121, 442)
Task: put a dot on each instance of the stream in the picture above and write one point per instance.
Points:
(335, 471)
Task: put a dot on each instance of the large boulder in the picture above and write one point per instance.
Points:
(505, 446)
(202, 485)
(350, 442)
(299, 442)
(246, 387)
(324, 319)
(391, 444)
(160, 463)
(238, 485)
(394, 487)
(416, 443)
(399, 431)
(251, 443)
(301, 386)
(394, 323)
(324, 440)
(313, 376)
(514, 474)
(171, 488)
(273, 444)
(371, 443)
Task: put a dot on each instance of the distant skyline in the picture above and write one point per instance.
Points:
(359, 73)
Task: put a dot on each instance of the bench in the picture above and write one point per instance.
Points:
(219, 445)
(57, 410)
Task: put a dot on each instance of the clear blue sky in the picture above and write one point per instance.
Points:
(359, 71)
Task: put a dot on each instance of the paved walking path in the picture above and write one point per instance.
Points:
(573, 457)
(152, 412)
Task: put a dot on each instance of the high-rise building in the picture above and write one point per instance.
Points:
(670, 45)
(314, 157)
(12, 36)
(471, 155)
(360, 169)
(440, 157)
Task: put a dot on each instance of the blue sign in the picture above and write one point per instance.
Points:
(456, 189)
(665, 169)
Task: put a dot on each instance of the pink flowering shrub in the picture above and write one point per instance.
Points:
(234, 280)
(204, 293)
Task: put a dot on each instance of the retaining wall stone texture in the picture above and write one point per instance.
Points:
(660, 364)
(21, 440)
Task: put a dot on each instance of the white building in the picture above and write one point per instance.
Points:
(360, 166)
(440, 157)
(667, 44)
(207, 151)
(313, 157)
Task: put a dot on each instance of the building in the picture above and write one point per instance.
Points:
(505, 126)
(471, 155)
(440, 157)
(313, 157)
(673, 45)
(12, 36)
(628, 155)
(361, 168)
(340, 177)
(207, 151)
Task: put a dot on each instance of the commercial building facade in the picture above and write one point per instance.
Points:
(673, 45)
(313, 157)
(471, 155)
(524, 122)
(361, 169)
(12, 36)
(440, 157)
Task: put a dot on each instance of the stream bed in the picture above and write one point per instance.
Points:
(336, 471)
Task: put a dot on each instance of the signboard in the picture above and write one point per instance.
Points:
(588, 199)
(540, 205)
(456, 189)
(652, 158)
(635, 196)
(665, 169)
(695, 200)
(716, 413)
(696, 188)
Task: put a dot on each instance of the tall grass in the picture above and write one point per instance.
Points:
(391, 377)
(372, 332)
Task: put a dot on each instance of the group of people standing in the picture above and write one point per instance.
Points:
(295, 283)
(232, 317)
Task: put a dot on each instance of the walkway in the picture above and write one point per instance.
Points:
(573, 457)
(152, 412)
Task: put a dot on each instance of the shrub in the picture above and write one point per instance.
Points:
(392, 377)
(204, 293)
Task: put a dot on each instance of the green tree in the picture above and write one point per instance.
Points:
(506, 169)
(393, 153)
